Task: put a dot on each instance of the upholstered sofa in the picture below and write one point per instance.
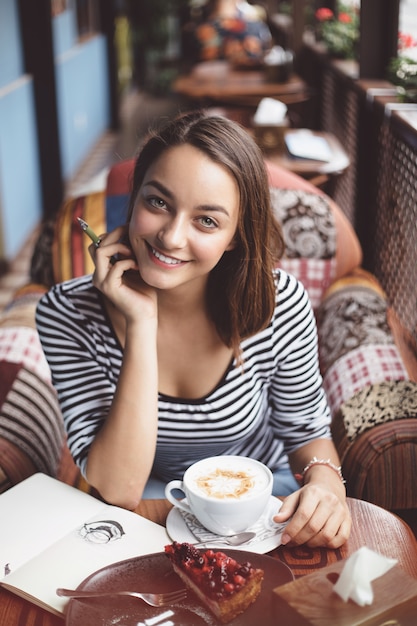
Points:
(367, 360)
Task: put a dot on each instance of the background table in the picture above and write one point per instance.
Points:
(220, 82)
(323, 174)
(372, 526)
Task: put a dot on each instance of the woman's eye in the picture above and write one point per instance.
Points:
(156, 202)
(208, 222)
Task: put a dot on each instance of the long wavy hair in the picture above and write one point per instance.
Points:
(241, 289)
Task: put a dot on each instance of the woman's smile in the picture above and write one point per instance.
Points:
(163, 259)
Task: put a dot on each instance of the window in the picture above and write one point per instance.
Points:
(408, 18)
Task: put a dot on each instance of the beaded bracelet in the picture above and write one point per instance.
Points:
(316, 461)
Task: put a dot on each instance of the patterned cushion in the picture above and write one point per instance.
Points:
(356, 345)
(31, 426)
(373, 403)
(362, 366)
(310, 239)
(376, 404)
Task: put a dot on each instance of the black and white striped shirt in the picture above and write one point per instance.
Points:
(265, 409)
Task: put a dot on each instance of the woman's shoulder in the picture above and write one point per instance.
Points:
(291, 295)
(70, 294)
(286, 282)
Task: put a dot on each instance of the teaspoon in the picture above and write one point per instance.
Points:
(232, 540)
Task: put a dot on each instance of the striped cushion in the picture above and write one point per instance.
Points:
(103, 213)
(31, 427)
(70, 245)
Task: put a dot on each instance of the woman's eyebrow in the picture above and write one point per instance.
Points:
(209, 208)
(214, 208)
(160, 187)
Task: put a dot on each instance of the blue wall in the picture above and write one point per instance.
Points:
(82, 93)
(20, 187)
(83, 101)
(20, 190)
(11, 60)
(64, 32)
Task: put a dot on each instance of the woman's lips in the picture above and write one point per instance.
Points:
(163, 258)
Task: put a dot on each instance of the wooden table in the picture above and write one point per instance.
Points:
(219, 82)
(323, 174)
(372, 526)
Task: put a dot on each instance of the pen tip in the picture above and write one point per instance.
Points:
(82, 223)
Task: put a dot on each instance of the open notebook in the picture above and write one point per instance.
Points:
(53, 535)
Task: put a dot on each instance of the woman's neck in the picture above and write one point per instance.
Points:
(182, 302)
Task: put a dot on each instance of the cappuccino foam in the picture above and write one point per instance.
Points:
(230, 482)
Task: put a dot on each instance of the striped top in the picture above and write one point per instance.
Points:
(265, 409)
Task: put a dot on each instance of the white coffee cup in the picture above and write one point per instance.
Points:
(227, 494)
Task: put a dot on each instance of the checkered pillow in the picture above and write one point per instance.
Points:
(366, 365)
(316, 275)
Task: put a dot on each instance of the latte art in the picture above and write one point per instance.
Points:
(225, 483)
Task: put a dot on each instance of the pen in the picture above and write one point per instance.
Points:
(94, 238)
(89, 231)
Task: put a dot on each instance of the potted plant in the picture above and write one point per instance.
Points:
(339, 33)
(402, 70)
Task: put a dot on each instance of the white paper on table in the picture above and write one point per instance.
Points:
(304, 144)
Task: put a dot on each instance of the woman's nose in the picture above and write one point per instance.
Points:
(173, 234)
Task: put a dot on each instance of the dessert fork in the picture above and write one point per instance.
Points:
(154, 599)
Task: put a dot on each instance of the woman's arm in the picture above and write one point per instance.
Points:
(301, 418)
(121, 456)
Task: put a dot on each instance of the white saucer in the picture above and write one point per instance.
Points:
(184, 527)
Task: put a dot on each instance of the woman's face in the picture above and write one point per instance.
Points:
(185, 218)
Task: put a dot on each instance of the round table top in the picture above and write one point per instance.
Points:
(372, 526)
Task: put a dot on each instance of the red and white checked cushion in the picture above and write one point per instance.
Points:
(365, 365)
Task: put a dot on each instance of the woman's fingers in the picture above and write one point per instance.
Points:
(109, 247)
(320, 519)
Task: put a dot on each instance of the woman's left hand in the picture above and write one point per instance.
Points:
(319, 516)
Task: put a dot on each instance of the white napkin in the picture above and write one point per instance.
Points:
(270, 111)
(360, 569)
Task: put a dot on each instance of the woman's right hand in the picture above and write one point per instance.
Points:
(120, 280)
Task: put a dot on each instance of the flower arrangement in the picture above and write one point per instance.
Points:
(402, 70)
(340, 33)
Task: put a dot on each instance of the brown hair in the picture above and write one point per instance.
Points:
(241, 288)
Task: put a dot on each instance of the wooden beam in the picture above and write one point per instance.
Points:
(378, 36)
(36, 30)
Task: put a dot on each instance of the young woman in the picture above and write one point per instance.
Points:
(192, 344)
